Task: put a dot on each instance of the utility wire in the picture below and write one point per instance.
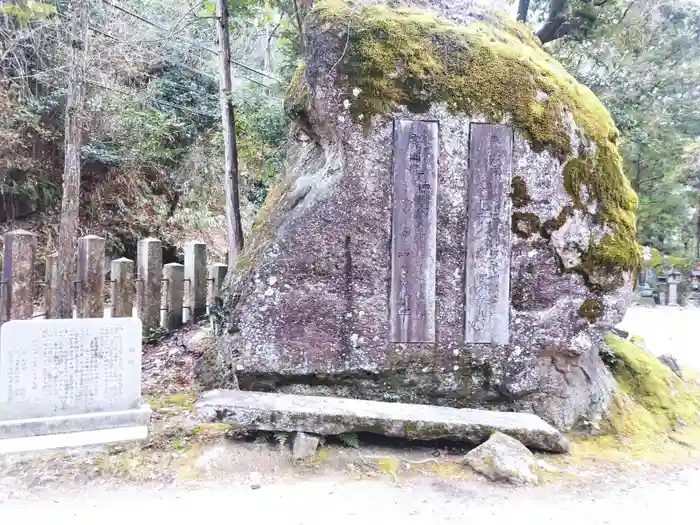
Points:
(170, 61)
(191, 42)
(155, 99)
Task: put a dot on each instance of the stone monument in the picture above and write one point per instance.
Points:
(453, 226)
(70, 382)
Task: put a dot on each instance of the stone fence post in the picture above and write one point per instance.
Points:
(149, 254)
(51, 278)
(122, 291)
(19, 257)
(195, 281)
(91, 277)
(174, 280)
(217, 274)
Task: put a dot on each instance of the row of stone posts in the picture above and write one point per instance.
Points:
(163, 295)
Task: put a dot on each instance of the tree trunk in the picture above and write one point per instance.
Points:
(70, 203)
(697, 227)
(228, 120)
(557, 24)
(523, 8)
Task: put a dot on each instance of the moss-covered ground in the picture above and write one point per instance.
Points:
(655, 419)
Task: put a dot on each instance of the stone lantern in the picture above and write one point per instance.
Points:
(674, 278)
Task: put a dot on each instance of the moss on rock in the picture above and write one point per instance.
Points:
(525, 224)
(551, 225)
(655, 415)
(591, 309)
(411, 57)
(495, 69)
(668, 400)
(519, 195)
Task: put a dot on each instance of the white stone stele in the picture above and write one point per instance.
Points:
(70, 382)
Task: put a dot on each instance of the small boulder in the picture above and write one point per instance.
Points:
(670, 361)
(304, 445)
(503, 458)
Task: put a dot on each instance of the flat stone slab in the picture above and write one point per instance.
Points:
(77, 430)
(333, 415)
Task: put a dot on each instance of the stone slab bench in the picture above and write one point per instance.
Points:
(333, 415)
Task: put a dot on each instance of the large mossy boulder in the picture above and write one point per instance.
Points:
(308, 302)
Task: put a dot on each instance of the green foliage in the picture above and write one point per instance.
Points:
(350, 440)
(29, 11)
(644, 63)
(262, 128)
(154, 335)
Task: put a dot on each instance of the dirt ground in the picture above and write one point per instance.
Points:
(189, 470)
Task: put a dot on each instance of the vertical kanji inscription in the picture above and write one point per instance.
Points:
(487, 284)
(414, 232)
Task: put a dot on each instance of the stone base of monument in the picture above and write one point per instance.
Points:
(334, 415)
(68, 383)
(58, 432)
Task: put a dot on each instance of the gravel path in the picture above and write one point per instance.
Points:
(667, 329)
(339, 501)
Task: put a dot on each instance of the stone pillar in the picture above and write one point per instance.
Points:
(122, 292)
(673, 294)
(174, 275)
(217, 274)
(51, 281)
(149, 256)
(91, 277)
(195, 281)
(18, 274)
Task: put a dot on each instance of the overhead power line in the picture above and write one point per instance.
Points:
(154, 99)
(186, 40)
(168, 60)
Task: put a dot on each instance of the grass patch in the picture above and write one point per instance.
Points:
(180, 401)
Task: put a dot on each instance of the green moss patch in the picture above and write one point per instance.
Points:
(655, 416)
(607, 186)
(413, 58)
(591, 309)
(519, 195)
(669, 400)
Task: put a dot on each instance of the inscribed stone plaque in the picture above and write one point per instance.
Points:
(414, 232)
(487, 284)
(69, 366)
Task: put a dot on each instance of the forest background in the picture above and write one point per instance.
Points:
(152, 154)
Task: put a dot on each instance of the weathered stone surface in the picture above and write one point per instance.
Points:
(671, 362)
(309, 302)
(304, 445)
(503, 458)
(334, 415)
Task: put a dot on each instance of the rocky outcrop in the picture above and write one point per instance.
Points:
(309, 300)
